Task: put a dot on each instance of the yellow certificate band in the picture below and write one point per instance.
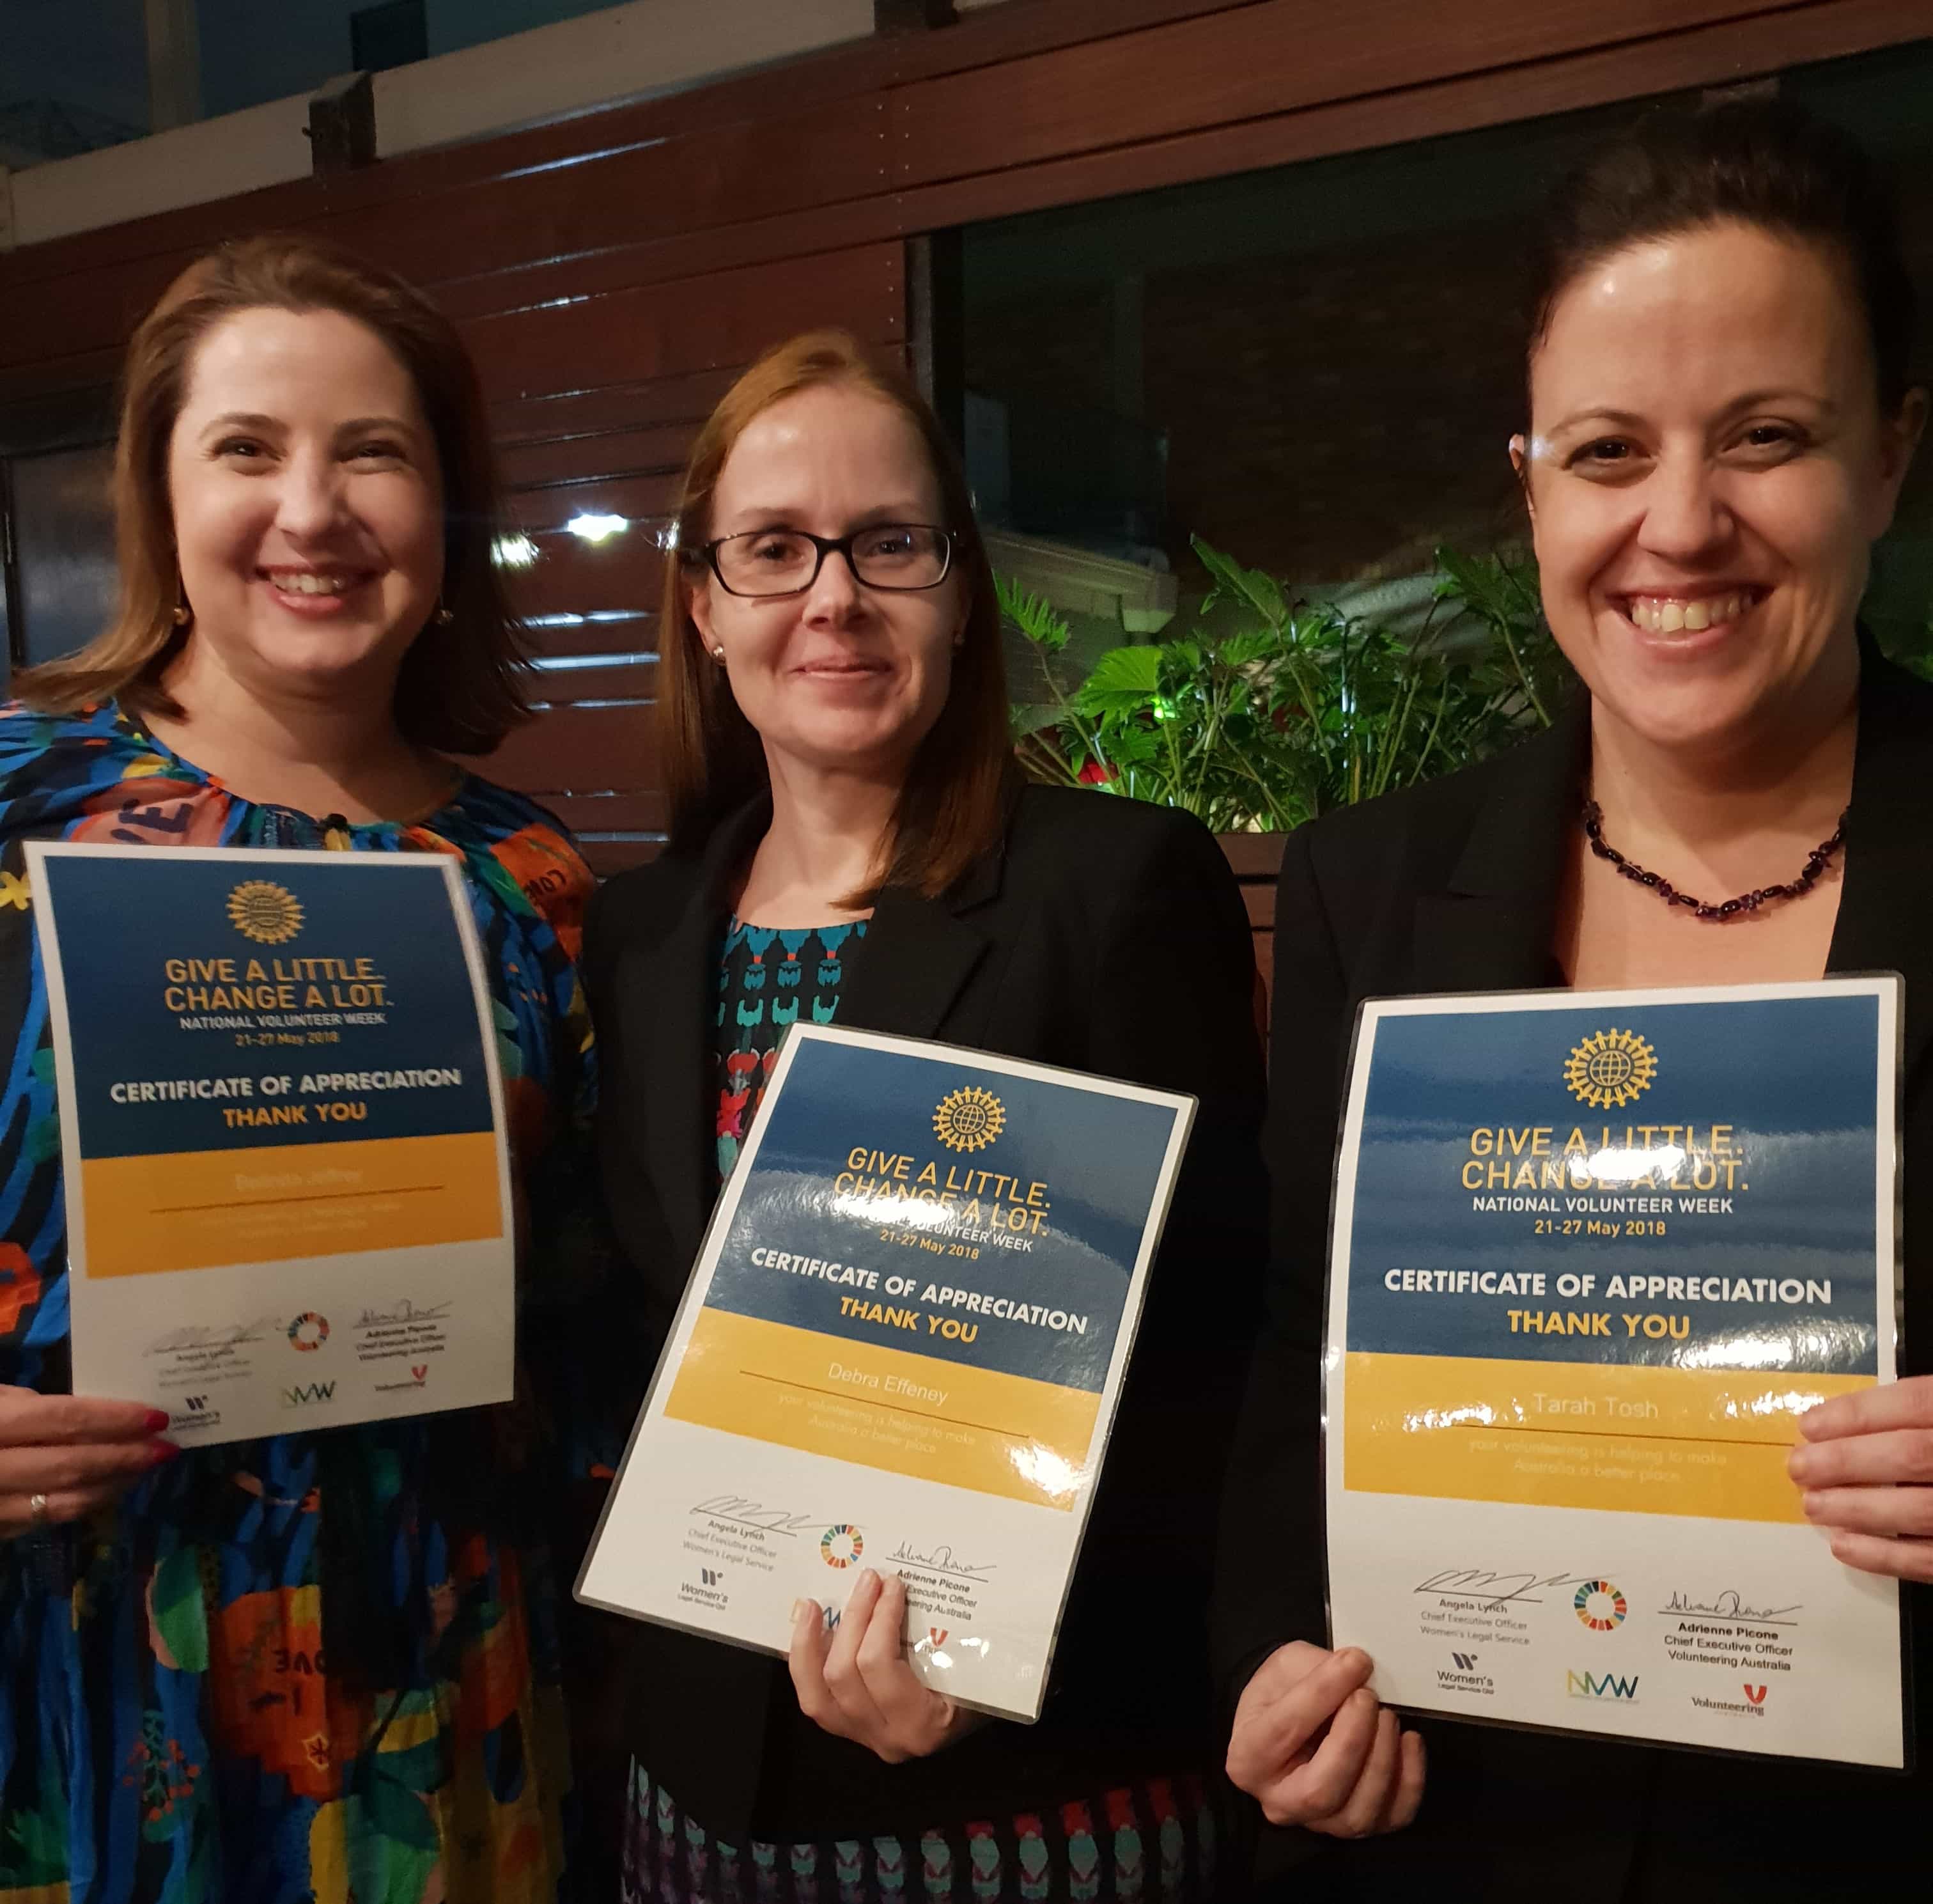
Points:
(1708, 1442)
(198, 1209)
(885, 1408)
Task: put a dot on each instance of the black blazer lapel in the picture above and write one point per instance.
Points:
(917, 956)
(1886, 905)
(668, 997)
(1491, 929)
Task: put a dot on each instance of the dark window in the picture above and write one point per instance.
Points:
(63, 549)
(393, 34)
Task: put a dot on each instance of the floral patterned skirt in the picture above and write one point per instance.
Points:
(1150, 1843)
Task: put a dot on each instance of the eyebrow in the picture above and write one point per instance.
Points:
(250, 419)
(356, 423)
(759, 516)
(1750, 400)
(239, 419)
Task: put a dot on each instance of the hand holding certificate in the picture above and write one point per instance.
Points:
(1594, 1256)
(900, 1351)
(281, 1125)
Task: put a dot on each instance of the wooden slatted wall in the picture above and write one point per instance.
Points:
(614, 271)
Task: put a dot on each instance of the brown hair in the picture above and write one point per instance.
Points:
(461, 685)
(952, 807)
(1767, 163)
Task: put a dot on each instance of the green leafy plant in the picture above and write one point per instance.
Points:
(1269, 711)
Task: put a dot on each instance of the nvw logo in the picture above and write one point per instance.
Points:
(309, 1392)
(1600, 1685)
(1466, 1662)
(1756, 1694)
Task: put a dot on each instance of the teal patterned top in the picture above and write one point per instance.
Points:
(766, 975)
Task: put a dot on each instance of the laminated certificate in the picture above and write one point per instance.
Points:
(1593, 1256)
(288, 1201)
(900, 1348)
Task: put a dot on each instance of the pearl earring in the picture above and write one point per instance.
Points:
(718, 655)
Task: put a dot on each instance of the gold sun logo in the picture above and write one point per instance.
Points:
(969, 1119)
(1610, 1068)
(271, 915)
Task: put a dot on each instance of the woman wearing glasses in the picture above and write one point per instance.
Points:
(848, 838)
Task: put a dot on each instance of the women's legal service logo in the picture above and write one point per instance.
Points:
(269, 914)
(1610, 1068)
(841, 1546)
(1600, 1606)
(969, 1119)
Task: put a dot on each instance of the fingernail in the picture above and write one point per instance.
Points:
(159, 1453)
(797, 1607)
(1799, 1463)
(1810, 1503)
(866, 1578)
(1353, 1658)
(158, 1420)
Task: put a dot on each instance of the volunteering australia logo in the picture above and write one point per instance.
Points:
(1610, 1068)
(269, 914)
(969, 1119)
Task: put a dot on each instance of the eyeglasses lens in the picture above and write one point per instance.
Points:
(780, 562)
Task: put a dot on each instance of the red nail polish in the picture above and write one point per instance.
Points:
(160, 1453)
(158, 1420)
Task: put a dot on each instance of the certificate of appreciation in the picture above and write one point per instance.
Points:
(287, 1188)
(900, 1348)
(1593, 1254)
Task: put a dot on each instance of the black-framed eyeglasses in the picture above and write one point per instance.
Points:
(889, 555)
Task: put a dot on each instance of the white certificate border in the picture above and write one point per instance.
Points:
(698, 1285)
(417, 864)
(1888, 988)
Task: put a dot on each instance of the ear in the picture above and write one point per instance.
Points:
(1899, 438)
(1519, 457)
(698, 602)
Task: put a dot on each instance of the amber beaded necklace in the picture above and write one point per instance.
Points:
(1816, 863)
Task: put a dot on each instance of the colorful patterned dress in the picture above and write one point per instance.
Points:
(173, 1727)
(1144, 1844)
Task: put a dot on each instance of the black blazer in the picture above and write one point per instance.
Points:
(1104, 936)
(1454, 887)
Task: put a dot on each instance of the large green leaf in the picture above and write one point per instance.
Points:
(1123, 678)
(181, 1613)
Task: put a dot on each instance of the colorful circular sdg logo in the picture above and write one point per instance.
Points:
(841, 1546)
(308, 1330)
(1600, 1606)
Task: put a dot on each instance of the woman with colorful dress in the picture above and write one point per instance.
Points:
(322, 1666)
(848, 841)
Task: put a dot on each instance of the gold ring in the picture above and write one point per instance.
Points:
(36, 1509)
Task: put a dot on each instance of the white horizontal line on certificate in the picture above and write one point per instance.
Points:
(893, 1408)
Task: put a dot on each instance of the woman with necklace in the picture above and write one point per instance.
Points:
(1720, 422)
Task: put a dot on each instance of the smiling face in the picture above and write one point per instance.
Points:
(840, 677)
(307, 504)
(1707, 469)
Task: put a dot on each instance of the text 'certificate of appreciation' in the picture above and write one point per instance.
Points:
(1593, 1254)
(900, 1348)
(288, 1201)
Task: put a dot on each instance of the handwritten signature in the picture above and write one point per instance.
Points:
(755, 1514)
(405, 1311)
(202, 1337)
(1492, 1589)
(941, 1560)
(1728, 1606)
